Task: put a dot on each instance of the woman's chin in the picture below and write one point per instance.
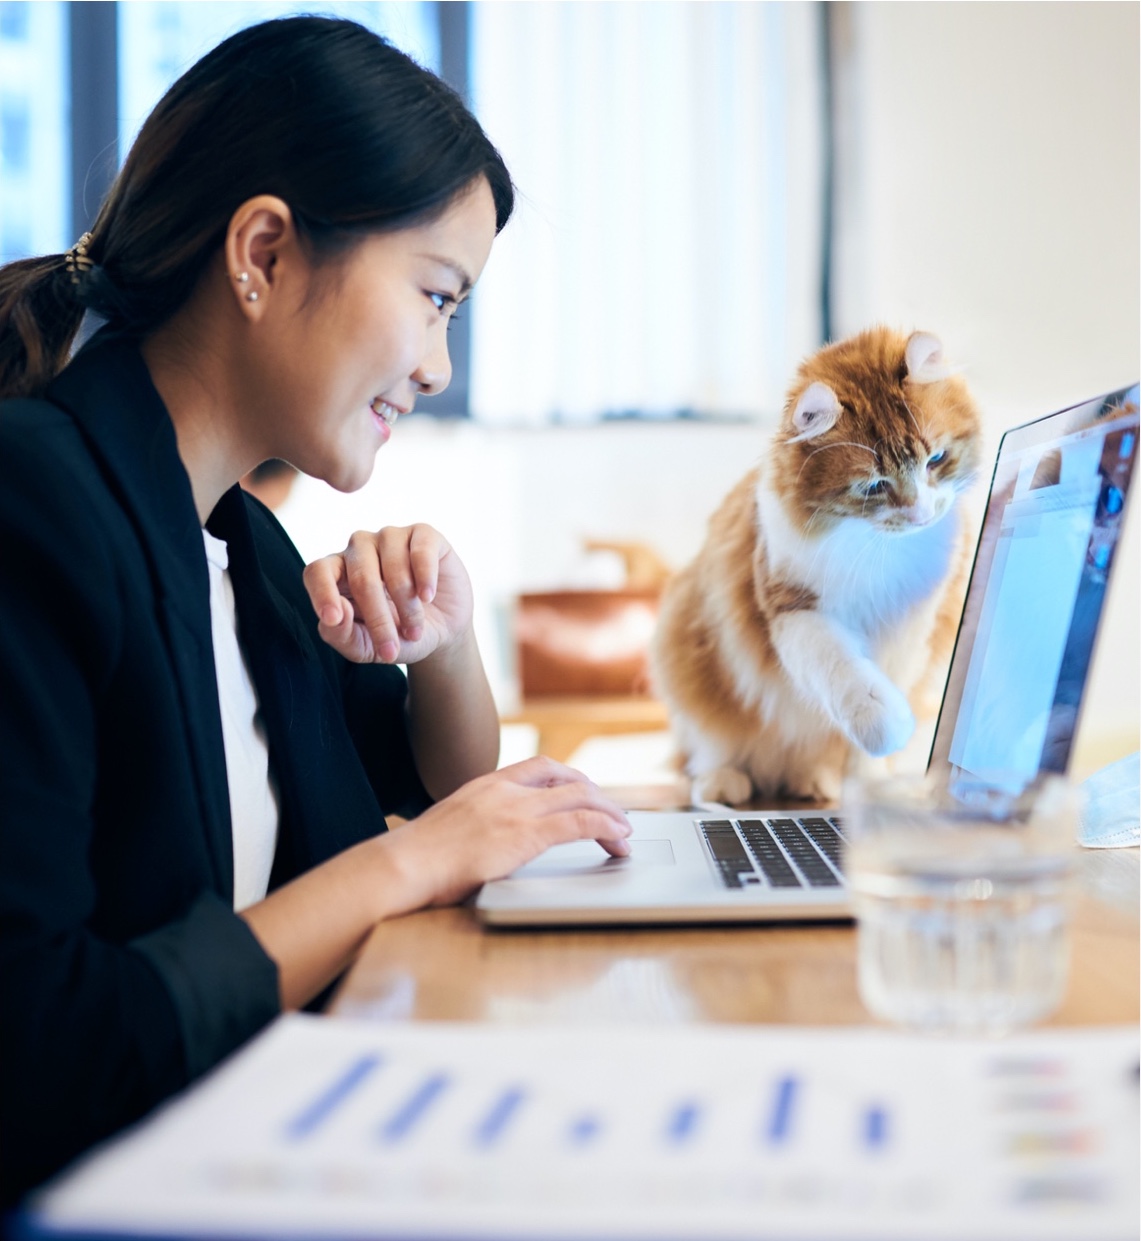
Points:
(350, 476)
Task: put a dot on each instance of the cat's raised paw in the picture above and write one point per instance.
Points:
(726, 785)
(879, 719)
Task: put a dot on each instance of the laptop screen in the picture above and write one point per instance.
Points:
(1049, 535)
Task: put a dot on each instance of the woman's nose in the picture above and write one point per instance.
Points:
(435, 370)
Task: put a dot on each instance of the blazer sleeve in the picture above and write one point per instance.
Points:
(95, 1028)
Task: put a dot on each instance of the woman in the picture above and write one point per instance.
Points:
(200, 740)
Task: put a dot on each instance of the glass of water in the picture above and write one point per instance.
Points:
(962, 900)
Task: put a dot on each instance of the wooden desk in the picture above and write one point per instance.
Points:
(441, 965)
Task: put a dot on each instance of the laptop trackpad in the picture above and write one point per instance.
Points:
(587, 857)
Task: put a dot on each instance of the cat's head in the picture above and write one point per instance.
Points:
(875, 427)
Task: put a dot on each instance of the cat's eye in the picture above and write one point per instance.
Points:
(936, 457)
(876, 488)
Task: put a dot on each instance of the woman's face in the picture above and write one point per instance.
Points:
(366, 338)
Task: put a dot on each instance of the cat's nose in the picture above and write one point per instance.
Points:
(923, 510)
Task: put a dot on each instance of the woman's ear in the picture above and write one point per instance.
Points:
(260, 238)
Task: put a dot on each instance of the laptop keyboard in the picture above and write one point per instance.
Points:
(801, 852)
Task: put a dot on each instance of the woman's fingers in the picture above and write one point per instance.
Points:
(323, 580)
(371, 595)
(409, 560)
(582, 799)
(343, 636)
(540, 772)
(410, 594)
(564, 825)
(390, 574)
(576, 807)
(495, 824)
(551, 812)
(426, 548)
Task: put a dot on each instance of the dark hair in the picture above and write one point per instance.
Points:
(352, 133)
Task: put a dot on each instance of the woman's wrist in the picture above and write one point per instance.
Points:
(453, 656)
(453, 721)
(397, 886)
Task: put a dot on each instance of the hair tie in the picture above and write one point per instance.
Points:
(76, 259)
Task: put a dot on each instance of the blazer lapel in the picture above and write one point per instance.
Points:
(326, 801)
(108, 391)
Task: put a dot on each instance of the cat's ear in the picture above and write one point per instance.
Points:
(816, 411)
(924, 358)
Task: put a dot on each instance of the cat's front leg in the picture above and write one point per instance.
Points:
(727, 786)
(827, 667)
(715, 775)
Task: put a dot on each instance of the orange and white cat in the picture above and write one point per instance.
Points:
(816, 621)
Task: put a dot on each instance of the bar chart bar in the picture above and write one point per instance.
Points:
(682, 1123)
(780, 1119)
(491, 1128)
(311, 1117)
(584, 1130)
(400, 1124)
(875, 1128)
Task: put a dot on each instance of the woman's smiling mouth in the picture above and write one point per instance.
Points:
(387, 413)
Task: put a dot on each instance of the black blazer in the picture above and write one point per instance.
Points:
(124, 971)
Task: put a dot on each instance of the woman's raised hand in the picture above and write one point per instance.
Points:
(391, 597)
(494, 824)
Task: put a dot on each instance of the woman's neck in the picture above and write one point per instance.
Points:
(190, 366)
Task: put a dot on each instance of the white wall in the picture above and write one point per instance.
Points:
(989, 193)
(990, 190)
(989, 182)
(519, 504)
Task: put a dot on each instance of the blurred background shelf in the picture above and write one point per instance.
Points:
(564, 723)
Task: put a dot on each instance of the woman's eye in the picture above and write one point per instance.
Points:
(936, 457)
(877, 488)
(441, 301)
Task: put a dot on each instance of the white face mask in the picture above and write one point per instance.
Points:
(1109, 817)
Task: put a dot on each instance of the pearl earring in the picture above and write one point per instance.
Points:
(242, 277)
(252, 295)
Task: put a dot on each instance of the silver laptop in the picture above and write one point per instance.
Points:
(1053, 520)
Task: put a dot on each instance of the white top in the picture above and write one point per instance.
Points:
(253, 798)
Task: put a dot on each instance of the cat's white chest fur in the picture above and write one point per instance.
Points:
(866, 579)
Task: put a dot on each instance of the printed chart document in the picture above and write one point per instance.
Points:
(334, 1128)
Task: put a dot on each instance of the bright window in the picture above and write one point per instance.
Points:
(34, 177)
(160, 39)
(666, 252)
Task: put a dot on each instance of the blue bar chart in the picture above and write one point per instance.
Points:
(339, 1129)
(778, 1104)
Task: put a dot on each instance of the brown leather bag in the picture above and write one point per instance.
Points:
(586, 642)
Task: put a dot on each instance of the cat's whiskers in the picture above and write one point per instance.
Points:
(848, 571)
(838, 444)
(879, 553)
(821, 545)
(884, 583)
(872, 545)
(821, 584)
(911, 414)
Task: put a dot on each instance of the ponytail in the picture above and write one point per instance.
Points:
(40, 313)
